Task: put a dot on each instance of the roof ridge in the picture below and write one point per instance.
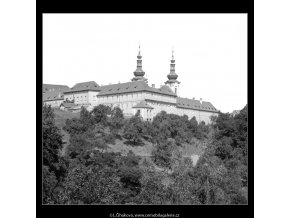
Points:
(87, 82)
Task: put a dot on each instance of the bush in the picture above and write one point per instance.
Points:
(162, 153)
(134, 129)
(54, 166)
(100, 114)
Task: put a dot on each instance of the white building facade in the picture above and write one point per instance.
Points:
(138, 95)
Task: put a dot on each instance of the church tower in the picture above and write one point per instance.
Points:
(172, 77)
(139, 73)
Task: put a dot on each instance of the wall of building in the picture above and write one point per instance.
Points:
(174, 86)
(92, 97)
(55, 103)
(146, 113)
(134, 97)
(78, 97)
(169, 108)
(158, 107)
(120, 98)
(127, 100)
(205, 116)
(199, 115)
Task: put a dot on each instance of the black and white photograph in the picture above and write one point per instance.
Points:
(176, 109)
(144, 109)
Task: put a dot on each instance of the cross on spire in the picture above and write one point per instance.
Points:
(139, 50)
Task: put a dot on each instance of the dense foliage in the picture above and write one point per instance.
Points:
(54, 166)
(89, 174)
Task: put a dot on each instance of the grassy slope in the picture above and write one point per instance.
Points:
(193, 150)
(187, 150)
(196, 147)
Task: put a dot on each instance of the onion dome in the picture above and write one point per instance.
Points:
(139, 73)
(172, 76)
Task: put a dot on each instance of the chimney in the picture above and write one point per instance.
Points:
(193, 98)
(59, 94)
(153, 85)
(200, 100)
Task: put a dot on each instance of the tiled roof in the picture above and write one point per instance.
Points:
(131, 87)
(143, 104)
(50, 88)
(52, 96)
(195, 104)
(166, 89)
(85, 86)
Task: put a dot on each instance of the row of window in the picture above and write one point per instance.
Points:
(132, 96)
(122, 96)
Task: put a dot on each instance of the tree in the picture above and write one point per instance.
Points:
(152, 191)
(86, 118)
(162, 153)
(171, 126)
(75, 126)
(54, 166)
(130, 175)
(101, 113)
(221, 173)
(133, 130)
(116, 120)
(202, 131)
(92, 185)
(52, 139)
(149, 131)
(193, 125)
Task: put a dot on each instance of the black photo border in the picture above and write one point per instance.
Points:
(239, 6)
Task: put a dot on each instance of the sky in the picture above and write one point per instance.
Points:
(210, 52)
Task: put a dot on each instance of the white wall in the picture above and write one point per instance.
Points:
(127, 101)
(55, 103)
(92, 97)
(200, 115)
(173, 86)
(78, 97)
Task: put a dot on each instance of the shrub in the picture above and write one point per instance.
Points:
(162, 153)
(134, 129)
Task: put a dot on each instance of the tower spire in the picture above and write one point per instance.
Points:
(139, 73)
(172, 76)
(139, 54)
